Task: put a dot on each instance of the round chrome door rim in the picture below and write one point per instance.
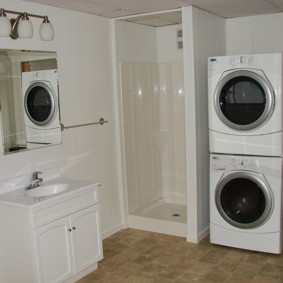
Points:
(51, 94)
(268, 90)
(256, 178)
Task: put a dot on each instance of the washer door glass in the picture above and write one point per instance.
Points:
(39, 104)
(244, 200)
(244, 100)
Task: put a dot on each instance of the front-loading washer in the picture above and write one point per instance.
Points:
(246, 202)
(245, 104)
(41, 108)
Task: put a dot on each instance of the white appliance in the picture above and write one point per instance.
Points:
(41, 108)
(245, 202)
(245, 104)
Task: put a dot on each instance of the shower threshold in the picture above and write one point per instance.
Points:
(163, 216)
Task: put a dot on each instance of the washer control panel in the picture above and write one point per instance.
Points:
(223, 162)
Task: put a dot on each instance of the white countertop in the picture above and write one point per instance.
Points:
(16, 197)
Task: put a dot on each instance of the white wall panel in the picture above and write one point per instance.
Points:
(204, 36)
(167, 51)
(135, 43)
(83, 45)
(254, 35)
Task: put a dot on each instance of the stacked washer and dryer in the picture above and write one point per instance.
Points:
(246, 150)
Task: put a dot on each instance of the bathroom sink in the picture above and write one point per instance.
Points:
(46, 190)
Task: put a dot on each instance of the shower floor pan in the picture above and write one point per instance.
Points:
(161, 217)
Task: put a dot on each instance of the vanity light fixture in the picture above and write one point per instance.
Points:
(21, 27)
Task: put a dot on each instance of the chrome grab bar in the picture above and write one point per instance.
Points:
(100, 122)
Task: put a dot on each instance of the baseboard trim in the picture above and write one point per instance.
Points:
(81, 274)
(197, 238)
(203, 234)
(107, 233)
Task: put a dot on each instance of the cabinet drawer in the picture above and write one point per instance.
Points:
(63, 206)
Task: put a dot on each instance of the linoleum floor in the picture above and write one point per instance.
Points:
(139, 256)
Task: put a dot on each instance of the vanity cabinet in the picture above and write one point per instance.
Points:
(57, 239)
(68, 246)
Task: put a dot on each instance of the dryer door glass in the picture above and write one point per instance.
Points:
(243, 200)
(244, 100)
(39, 104)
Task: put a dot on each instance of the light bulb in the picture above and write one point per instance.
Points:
(5, 25)
(46, 30)
(25, 28)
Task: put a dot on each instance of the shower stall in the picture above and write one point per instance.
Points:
(153, 118)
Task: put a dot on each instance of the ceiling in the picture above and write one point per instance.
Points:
(122, 8)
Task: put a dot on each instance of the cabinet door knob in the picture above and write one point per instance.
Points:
(70, 230)
(74, 228)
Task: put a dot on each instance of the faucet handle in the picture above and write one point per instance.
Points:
(35, 175)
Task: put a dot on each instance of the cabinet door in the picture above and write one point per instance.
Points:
(86, 235)
(53, 250)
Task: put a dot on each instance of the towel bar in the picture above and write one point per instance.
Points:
(100, 122)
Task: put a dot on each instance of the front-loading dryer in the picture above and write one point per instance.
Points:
(245, 104)
(41, 108)
(246, 202)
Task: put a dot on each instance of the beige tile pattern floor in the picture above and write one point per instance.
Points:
(139, 256)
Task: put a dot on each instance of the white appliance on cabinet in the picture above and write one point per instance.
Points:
(246, 202)
(245, 104)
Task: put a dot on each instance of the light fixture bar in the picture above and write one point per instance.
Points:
(21, 13)
(22, 27)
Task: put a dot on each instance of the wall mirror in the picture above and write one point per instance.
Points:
(29, 100)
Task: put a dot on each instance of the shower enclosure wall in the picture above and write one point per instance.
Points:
(153, 115)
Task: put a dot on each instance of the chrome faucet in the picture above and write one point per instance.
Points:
(34, 182)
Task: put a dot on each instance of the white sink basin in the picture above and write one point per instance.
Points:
(46, 190)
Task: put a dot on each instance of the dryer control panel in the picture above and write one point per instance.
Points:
(243, 59)
(216, 64)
